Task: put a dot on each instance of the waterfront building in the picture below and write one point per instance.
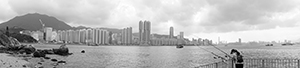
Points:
(82, 34)
(164, 41)
(207, 42)
(126, 36)
(102, 37)
(130, 38)
(37, 35)
(181, 35)
(144, 32)
(141, 32)
(89, 36)
(171, 32)
(96, 36)
(240, 41)
(54, 36)
(48, 33)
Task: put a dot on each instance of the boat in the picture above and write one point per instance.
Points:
(91, 44)
(285, 44)
(179, 46)
(269, 45)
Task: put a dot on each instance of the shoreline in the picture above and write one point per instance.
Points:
(9, 61)
(26, 61)
(101, 45)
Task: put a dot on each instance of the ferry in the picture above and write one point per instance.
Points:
(179, 46)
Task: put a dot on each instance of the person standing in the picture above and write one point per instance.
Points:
(237, 58)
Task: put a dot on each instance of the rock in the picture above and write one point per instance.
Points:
(54, 60)
(39, 54)
(4, 40)
(40, 63)
(24, 66)
(48, 51)
(28, 49)
(23, 38)
(8, 41)
(82, 51)
(62, 50)
(14, 41)
(46, 57)
(61, 61)
(42, 60)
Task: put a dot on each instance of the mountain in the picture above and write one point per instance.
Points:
(112, 30)
(31, 21)
(81, 27)
(160, 36)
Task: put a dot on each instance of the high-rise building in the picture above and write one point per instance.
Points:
(90, 36)
(141, 31)
(123, 36)
(144, 32)
(130, 38)
(181, 34)
(48, 33)
(147, 31)
(171, 32)
(126, 36)
(240, 40)
(94, 36)
(102, 37)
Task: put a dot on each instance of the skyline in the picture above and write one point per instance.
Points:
(267, 20)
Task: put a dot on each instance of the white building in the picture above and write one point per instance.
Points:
(48, 33)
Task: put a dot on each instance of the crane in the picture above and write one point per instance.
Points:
(43, 25)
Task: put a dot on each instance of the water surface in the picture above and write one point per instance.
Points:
(160, 56)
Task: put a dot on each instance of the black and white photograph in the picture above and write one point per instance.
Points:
(149, 33)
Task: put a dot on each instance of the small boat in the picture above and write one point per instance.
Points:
(285, 44)
(179, 46)
(269, 45)
(92, 44)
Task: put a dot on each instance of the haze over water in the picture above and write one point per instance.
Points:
(160, 56)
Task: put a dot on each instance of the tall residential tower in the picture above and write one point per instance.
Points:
(144, 32)
(171, 32)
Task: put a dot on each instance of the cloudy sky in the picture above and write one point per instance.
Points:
(251, 20)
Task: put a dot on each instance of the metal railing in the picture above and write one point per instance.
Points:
(257, 63)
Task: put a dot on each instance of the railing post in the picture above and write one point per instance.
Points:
(216, 65)
(298, 63)
(232, 64)
(263, 63)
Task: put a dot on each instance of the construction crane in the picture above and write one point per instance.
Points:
(43, 25)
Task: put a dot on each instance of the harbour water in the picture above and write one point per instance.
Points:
(160, 56)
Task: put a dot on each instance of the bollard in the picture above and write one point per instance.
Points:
(216, 65)
(298, 63)
(263, 63)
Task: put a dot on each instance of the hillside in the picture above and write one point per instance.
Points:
(31, 22)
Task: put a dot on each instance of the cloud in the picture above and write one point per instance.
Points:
(190, 16)
(237, 15)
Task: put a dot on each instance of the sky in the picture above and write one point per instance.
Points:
(250, 20)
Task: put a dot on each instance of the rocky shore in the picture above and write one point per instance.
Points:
(13, 54)
(7, 61)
